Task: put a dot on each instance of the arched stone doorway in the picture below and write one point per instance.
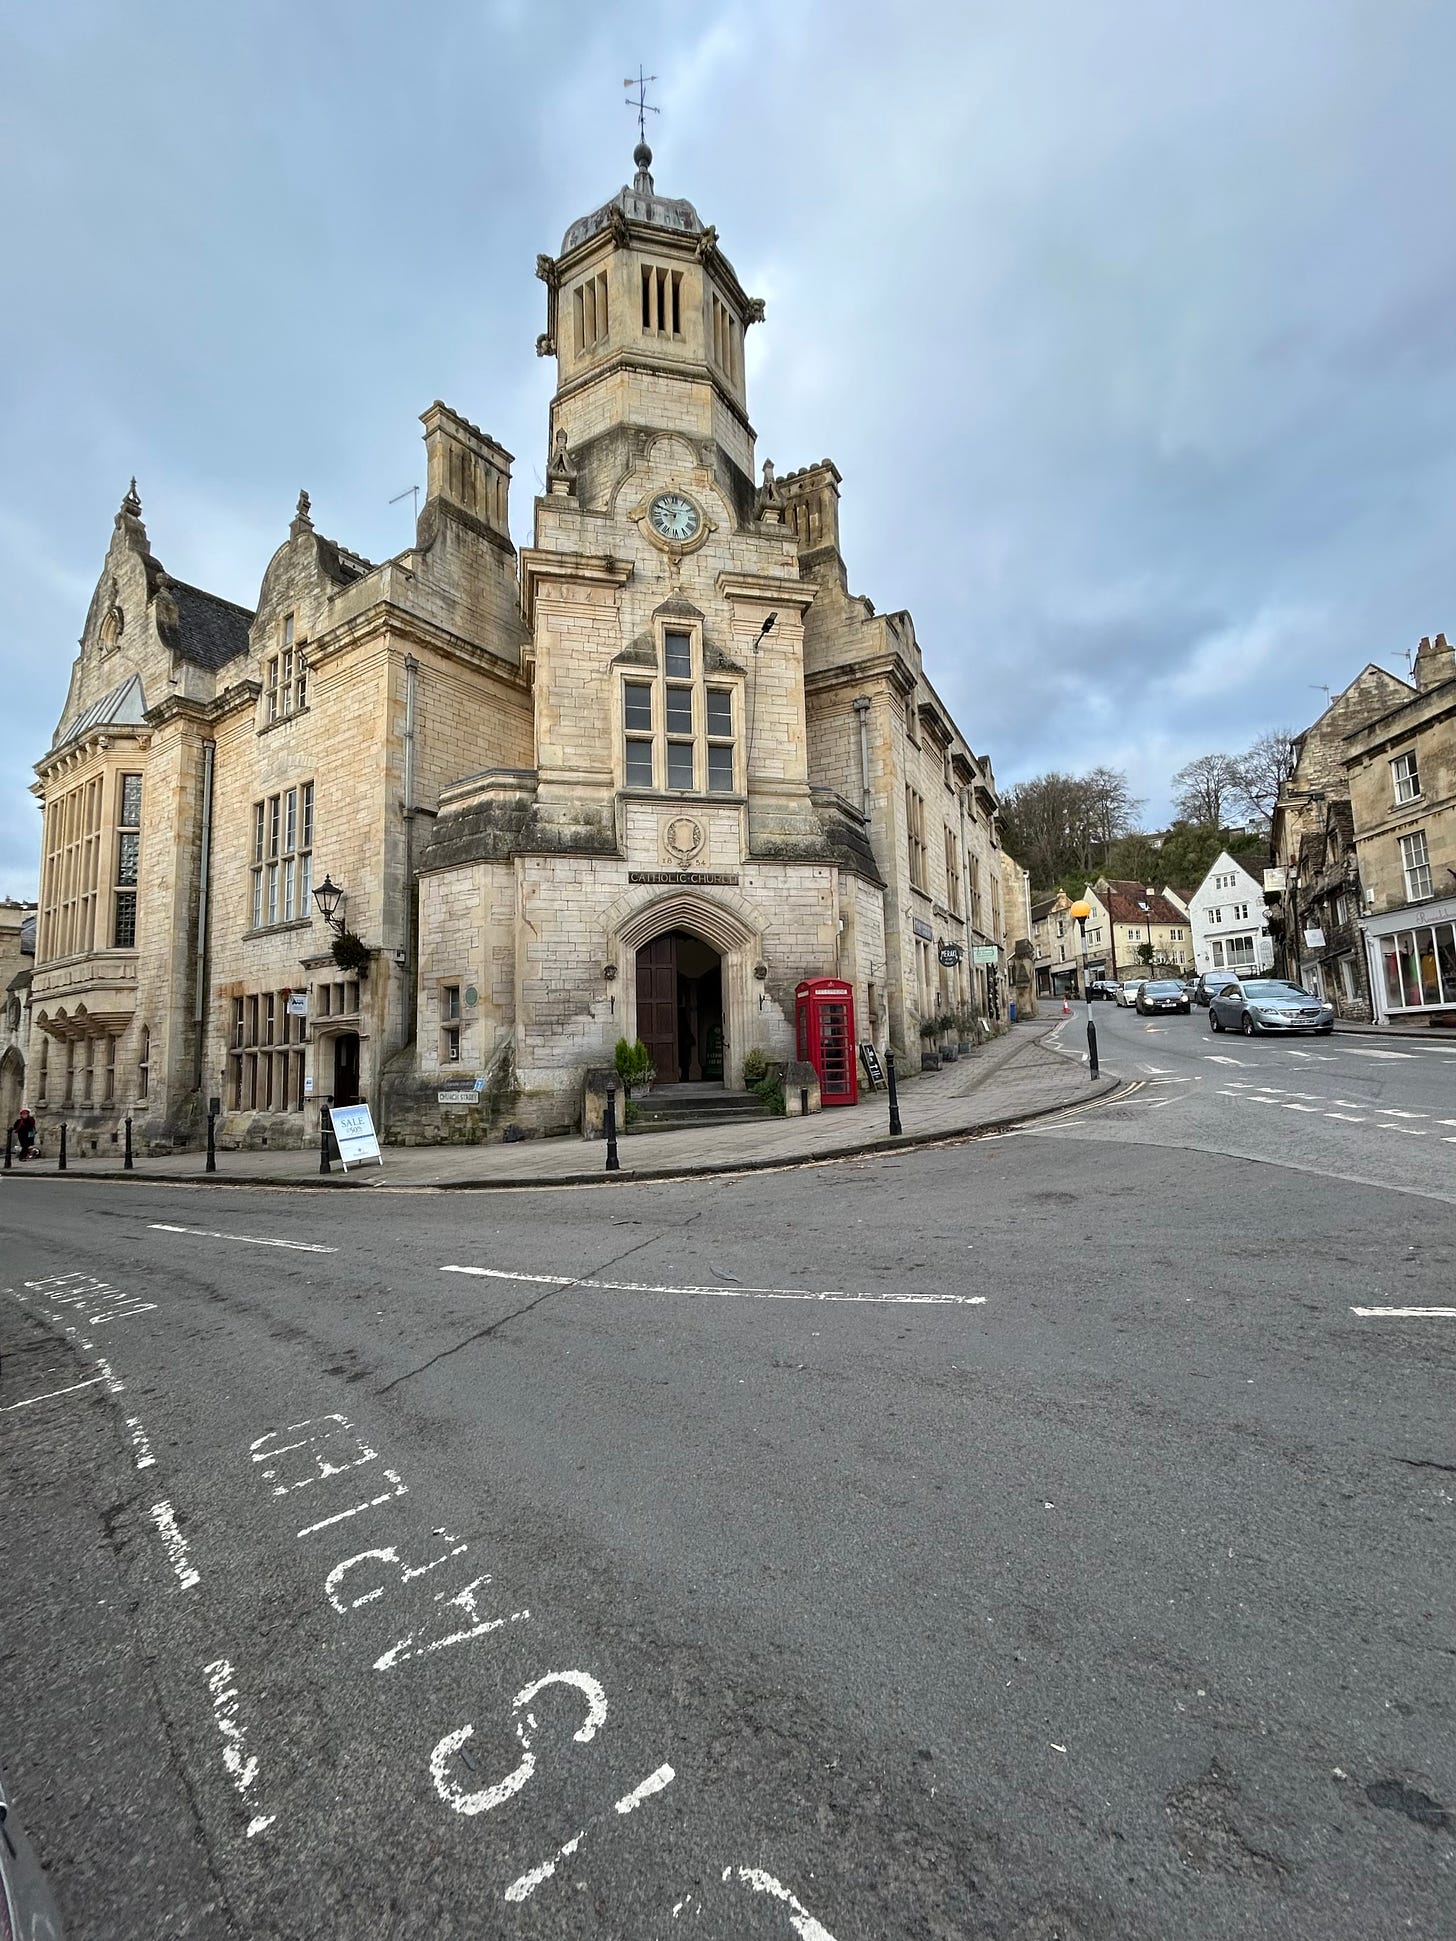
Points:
(680, 1008)
(703, 929)
(12, 1086)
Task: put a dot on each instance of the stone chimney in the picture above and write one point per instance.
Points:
(1435, 663)
(811, 507)
(468, 473)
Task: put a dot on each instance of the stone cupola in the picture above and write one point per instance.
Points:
(646, 318)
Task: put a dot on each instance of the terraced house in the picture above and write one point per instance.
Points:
(436, 832)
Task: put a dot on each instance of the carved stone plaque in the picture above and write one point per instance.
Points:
(683, 838)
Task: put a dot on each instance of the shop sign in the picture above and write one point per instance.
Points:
(874, 1071)
(297, 1005)
(950, 955)
(985, 954)
(922, 929)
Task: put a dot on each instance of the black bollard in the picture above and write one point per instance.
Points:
(803, 1101)
(614, 1165)
(61, 1161)
(9, 1142)
(211, 1166)
(1091, 1045)
(324, 1166)
(895, 1125)
(126, 1164)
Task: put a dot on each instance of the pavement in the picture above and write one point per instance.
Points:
(1006, 1080)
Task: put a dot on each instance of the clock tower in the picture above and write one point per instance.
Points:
(646, 319)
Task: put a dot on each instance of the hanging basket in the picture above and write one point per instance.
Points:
(351, 954)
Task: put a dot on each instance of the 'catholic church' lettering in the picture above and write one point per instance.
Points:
(642, 779)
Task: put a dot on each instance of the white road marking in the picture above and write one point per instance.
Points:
(165, 1520)
(1354, 1052)
(400, 1489)
(247, 1239)
(1291, 1106)
(654, 1783)
(1348, 1117)
(1414, 1132)
(51, 1394)
(1220, 1058)
(144, 1456)
(801, 1920)
(1437, 1313)
(1392, 1112)
(527, 1884)
(243, 1770)
(489, 1797)
(725, 1293)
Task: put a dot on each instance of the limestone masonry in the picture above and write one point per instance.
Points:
(637, 781)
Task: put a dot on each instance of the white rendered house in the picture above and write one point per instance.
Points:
(1227, 915)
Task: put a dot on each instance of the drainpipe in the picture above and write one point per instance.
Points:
(411, 940)
(862, 709)
(199, 1007)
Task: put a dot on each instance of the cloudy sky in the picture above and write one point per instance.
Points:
(1129, 323)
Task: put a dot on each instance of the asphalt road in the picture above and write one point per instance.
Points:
(1346, 1107)
(1021, 1538)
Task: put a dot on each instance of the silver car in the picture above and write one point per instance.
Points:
(1264, 1004)
(1127, 992)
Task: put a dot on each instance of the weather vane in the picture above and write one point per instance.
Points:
(643, 106)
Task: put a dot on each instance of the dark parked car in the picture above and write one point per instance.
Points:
(1163, 994)
(1210, 982)
(1266, 1004)
(1104, 988)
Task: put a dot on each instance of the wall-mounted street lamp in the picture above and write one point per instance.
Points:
(328, 897)
(1080, 911)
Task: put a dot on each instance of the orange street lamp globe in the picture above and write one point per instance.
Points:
(1080, 912)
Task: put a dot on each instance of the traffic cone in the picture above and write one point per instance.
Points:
(1066, 1009)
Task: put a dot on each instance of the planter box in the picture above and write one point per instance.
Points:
(930, 1061)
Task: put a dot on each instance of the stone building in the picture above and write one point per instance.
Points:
(17, 959)
(1126, 918)
(639, 781)
(1400, 769)
(1318, 777)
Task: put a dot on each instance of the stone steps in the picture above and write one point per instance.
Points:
(695, 1106)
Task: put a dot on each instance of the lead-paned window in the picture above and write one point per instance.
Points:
(663, 737)
(282, 849)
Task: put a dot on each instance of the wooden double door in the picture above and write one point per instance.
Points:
(680, 1008)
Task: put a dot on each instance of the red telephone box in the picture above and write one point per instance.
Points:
(824, 1013)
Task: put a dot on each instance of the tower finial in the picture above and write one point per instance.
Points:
(131, 503)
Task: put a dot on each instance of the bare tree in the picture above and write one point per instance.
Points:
(1264, 768)
(1205, 787)
(1056, 825)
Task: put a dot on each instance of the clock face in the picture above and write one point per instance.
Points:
(675, 517)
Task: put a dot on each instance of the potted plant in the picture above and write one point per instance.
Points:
(965, 1023)
(635, 1067)
(929, 1056)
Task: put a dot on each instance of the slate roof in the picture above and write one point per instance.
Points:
(210, 631)
(124, 706)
